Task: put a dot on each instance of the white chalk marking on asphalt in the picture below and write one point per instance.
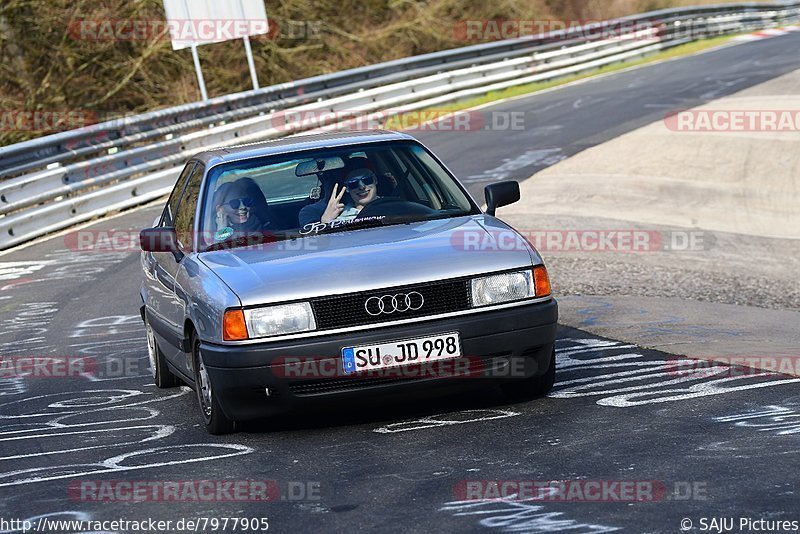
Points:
(778, 418)
(120, 345)
(544, 157)
(12, 270)
(12, 386)
(516, 516)
(56, 422)
(704, 389)
(629, 379)
(434, 421)
(114, 462)
(721, 87)
(768, 411)
(60, 416)
(161, 432)
(585, 346)
(106, 401)
(587, 100)
(109, 325)
(549, 107)
(645, 370)
(112, 465)
(61, 409)
(121, 395)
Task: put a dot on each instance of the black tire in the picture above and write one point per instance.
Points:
(533, 387)
(162, 376)
(215, 421)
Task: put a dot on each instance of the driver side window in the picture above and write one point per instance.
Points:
(184, 218)
(168, 217)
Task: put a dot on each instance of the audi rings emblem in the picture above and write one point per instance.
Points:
(389, 304)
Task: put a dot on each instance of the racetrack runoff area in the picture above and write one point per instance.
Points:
(719, 187)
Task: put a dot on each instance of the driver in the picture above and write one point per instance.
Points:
(362, 186)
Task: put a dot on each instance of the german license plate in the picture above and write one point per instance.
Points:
(399, 353)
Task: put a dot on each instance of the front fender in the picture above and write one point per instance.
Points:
(205, 296)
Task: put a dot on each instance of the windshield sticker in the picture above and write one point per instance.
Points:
(223, 233)
(317, 227)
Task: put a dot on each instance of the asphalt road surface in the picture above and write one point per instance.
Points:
(558, 124)
(695, 442)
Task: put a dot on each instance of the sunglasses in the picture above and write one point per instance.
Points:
(360, 181)
(234, 204)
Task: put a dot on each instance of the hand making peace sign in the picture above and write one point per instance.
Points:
(335, 206)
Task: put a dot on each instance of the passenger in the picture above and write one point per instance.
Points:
(362, 186)
(241, 206)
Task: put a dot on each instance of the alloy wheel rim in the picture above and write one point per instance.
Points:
(151, 350)
(205, 387)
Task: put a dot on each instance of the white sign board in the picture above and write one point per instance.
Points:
(197, 22)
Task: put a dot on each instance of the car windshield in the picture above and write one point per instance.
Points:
(325, 191)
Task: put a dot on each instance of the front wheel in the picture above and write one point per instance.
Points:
(215, 421)
(533, 387)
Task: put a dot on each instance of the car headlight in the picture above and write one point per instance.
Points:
(269, 321)
(506, 287)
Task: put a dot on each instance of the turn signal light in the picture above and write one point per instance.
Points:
(233, 326)
(541, 281)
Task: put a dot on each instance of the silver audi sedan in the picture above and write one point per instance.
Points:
(339, 266)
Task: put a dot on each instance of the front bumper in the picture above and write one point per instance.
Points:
(497, 345)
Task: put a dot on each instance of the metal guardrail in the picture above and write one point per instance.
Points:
(78, 143)
(59, 180)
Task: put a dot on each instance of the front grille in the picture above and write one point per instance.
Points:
(319, 387)
(348, 310)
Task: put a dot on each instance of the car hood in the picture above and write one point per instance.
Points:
(367, 259)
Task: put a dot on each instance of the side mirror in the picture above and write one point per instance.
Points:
(162, 239)
(501, 194)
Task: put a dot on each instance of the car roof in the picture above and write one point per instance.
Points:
(298, 143)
